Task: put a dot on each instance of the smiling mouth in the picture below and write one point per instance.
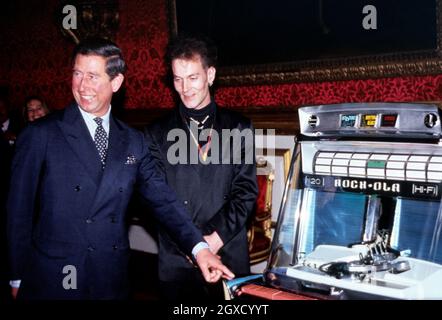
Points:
(87, 98)
(190, 97)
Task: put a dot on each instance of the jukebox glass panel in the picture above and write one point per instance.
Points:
(332, 218)
(416, 229)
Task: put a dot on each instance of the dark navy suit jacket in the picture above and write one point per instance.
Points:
(65, 212)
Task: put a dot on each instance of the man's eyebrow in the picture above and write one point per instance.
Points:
(192, 75)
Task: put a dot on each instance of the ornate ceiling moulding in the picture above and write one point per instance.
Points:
(333, 72)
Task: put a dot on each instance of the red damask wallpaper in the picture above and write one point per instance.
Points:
(36, 61)
(426, 88)
(143, 36)
(35, 57)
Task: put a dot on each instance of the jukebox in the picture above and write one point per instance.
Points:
(361, 213)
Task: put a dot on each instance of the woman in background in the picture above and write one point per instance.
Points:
(34, 108)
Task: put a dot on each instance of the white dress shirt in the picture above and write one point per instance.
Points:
(92, 125)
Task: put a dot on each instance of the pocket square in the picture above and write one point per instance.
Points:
(131, 159)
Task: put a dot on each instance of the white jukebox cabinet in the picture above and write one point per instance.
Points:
(361, 212)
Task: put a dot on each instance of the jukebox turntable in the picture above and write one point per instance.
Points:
(361, 214)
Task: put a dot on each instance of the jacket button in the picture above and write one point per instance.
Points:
(186, 202)
(90, 248)
(115, 247)
(77, 188)
(225, 197)
(113, 219)
(88, 220)
(121, 189)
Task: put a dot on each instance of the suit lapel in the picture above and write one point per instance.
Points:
(115, 161)
(78, 137)
(116, 151)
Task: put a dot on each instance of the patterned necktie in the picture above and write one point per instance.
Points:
(100, 139)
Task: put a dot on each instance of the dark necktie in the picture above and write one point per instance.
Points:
(100, 139)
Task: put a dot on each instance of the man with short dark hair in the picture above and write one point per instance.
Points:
(72, 177)
(214, 178)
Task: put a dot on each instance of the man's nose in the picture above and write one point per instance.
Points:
(186, 86)
(81, 84)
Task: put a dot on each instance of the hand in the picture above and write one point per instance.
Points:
(211, 266)
(214, 241)
(14, 292)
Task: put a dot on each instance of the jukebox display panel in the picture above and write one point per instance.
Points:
(361, 214)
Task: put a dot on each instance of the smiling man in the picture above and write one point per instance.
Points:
(73, 175)
(220, 194)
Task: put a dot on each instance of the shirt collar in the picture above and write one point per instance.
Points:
(90, 116)
(91, 124)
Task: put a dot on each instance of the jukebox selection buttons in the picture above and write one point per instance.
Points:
(425, 168)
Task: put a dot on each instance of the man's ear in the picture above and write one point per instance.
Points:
(117, 82)
(211, 72)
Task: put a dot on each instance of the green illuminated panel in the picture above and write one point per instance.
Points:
(380, 164)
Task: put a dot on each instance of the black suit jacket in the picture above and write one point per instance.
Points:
(219, 197)
(64, 211)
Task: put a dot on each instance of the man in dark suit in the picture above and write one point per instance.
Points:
(72, 176)
(213, 178)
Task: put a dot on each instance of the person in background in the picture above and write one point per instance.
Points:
(73, 174)
(7, 139)
(34, 108)
(219, 194)
(9, 127)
